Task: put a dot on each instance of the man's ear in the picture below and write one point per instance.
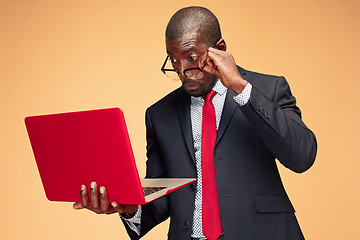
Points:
(221, 45)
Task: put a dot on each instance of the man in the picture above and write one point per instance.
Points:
(225, 126)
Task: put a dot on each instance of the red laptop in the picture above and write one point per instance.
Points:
(77, 148)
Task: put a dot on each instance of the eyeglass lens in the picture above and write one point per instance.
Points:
(194, 73)
(172, 75)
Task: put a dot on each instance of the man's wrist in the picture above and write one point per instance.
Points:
(239, 86)
(244, 96)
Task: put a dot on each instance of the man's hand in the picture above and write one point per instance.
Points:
(222, 64)
(99, 202)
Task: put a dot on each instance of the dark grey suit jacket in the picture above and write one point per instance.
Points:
(252, 200)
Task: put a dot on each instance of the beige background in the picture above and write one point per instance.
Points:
(59, 56)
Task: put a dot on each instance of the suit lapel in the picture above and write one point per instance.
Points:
(183, 111)
(228, 110)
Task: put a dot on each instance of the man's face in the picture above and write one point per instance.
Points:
(185, 52)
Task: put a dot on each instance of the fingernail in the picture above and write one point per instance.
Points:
(92, 185)
(114, 204)
(83, 187)
(102, 190)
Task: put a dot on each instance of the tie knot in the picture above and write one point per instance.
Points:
(209, 96)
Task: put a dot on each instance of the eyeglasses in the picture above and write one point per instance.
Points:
(191, 73)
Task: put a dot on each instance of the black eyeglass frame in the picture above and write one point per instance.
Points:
(163, 70)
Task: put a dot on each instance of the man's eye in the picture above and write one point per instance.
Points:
(193, 58)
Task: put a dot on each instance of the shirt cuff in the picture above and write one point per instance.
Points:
(244, 96)
(134, 222)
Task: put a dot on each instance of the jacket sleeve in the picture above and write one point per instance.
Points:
(277, 120)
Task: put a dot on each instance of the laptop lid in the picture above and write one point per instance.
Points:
(77, 148)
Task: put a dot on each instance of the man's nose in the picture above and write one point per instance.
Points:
(182, 67)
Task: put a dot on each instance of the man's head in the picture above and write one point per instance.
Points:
(189, 33)
(194, 19)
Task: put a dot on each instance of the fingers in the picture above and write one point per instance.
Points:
(94, 195)
(202, 62)
(98, 203)
(206, 61)
(118, 207)
(214, 50)
(220, 62)
(124, 208)
(84, 197)
(104, 200)
(210, 60)
(77, 206)
(216, 55)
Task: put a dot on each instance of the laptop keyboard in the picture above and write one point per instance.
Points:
(150, 190)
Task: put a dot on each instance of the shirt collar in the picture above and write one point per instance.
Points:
(219, 87)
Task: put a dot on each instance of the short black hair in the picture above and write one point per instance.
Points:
(194, 19)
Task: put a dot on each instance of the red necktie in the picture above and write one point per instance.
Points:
(211, 216)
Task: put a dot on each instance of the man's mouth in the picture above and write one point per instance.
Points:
(190, 85)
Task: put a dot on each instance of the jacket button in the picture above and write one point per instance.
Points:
(186, 224)
(267, 116)
(192, 187)
(258, 107)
